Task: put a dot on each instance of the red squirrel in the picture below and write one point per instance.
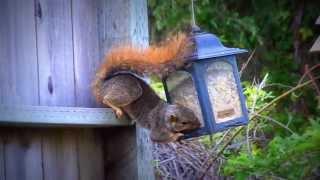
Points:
(118, 85)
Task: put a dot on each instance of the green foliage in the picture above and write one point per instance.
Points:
(157, 86)
(293, 157)
(250, 24)
(257, 97)
(210, 140)
(279, 154)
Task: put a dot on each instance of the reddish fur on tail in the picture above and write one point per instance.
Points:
(159, 60)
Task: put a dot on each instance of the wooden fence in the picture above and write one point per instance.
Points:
(49, 52)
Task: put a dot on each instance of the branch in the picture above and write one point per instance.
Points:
(247, 62)
(276, 122)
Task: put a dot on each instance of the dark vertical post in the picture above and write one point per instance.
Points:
(2, 165)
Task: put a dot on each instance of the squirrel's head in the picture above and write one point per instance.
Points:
(181, 119)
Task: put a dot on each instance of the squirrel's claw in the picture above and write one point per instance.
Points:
(119, 114)
(174, 137)
(177, 136)
(164, 136)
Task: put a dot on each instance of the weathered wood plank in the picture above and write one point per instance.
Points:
(60, 155)
(120, 145)
(114, 24)
(18, 58)
(4, 75)
(2, 175)
(139, 36)
(55, 52)
(90, 155)
(121, 153)
(86, 49)
(23, 155)
(123, 22)
(144, 155)
(139, 23)
(59, 116)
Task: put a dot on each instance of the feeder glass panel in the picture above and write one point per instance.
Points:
(182, 91)
(223, 92)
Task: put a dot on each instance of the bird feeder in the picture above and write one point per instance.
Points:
(210, 85)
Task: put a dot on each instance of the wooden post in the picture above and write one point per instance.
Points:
(126, 21)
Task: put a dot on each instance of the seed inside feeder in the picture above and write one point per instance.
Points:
(223, 92)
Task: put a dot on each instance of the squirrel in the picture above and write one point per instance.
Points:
(119, 85)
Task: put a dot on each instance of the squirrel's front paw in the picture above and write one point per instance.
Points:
(177, 136)
(119, 114)
(173, 137)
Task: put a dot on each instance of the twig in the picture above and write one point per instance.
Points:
(278, 84)
(312, 78)
(247, 62)
(215, 147)
(277, 122)
(221, 139)
(167, 160)
(248, 141)
(284, 95)
(261, 86)
(176, 170)
(306, 72)
(220, 152)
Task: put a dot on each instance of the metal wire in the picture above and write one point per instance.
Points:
(193, 20)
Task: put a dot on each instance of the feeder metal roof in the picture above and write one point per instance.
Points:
(209, 46)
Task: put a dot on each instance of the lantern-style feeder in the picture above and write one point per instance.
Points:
(210, 85)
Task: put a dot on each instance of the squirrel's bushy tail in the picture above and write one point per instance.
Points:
(158, 60)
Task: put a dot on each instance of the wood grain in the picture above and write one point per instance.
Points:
(121, 153)
(18, 58)
(86, 49)
(126, 22)
(55, 52)
(144, 155)
(59, 116)
(114, 25)
(23, 155)
(77, 31)
(139, 37)
(139, 23)
(90, 155)
(60, 154)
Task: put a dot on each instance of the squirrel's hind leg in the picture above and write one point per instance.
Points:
(117, 110)
(121, 91)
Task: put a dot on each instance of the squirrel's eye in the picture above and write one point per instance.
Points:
(184, 123)
(173, 119)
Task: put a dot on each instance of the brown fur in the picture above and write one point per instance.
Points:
(158, 60)
(131, 97)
